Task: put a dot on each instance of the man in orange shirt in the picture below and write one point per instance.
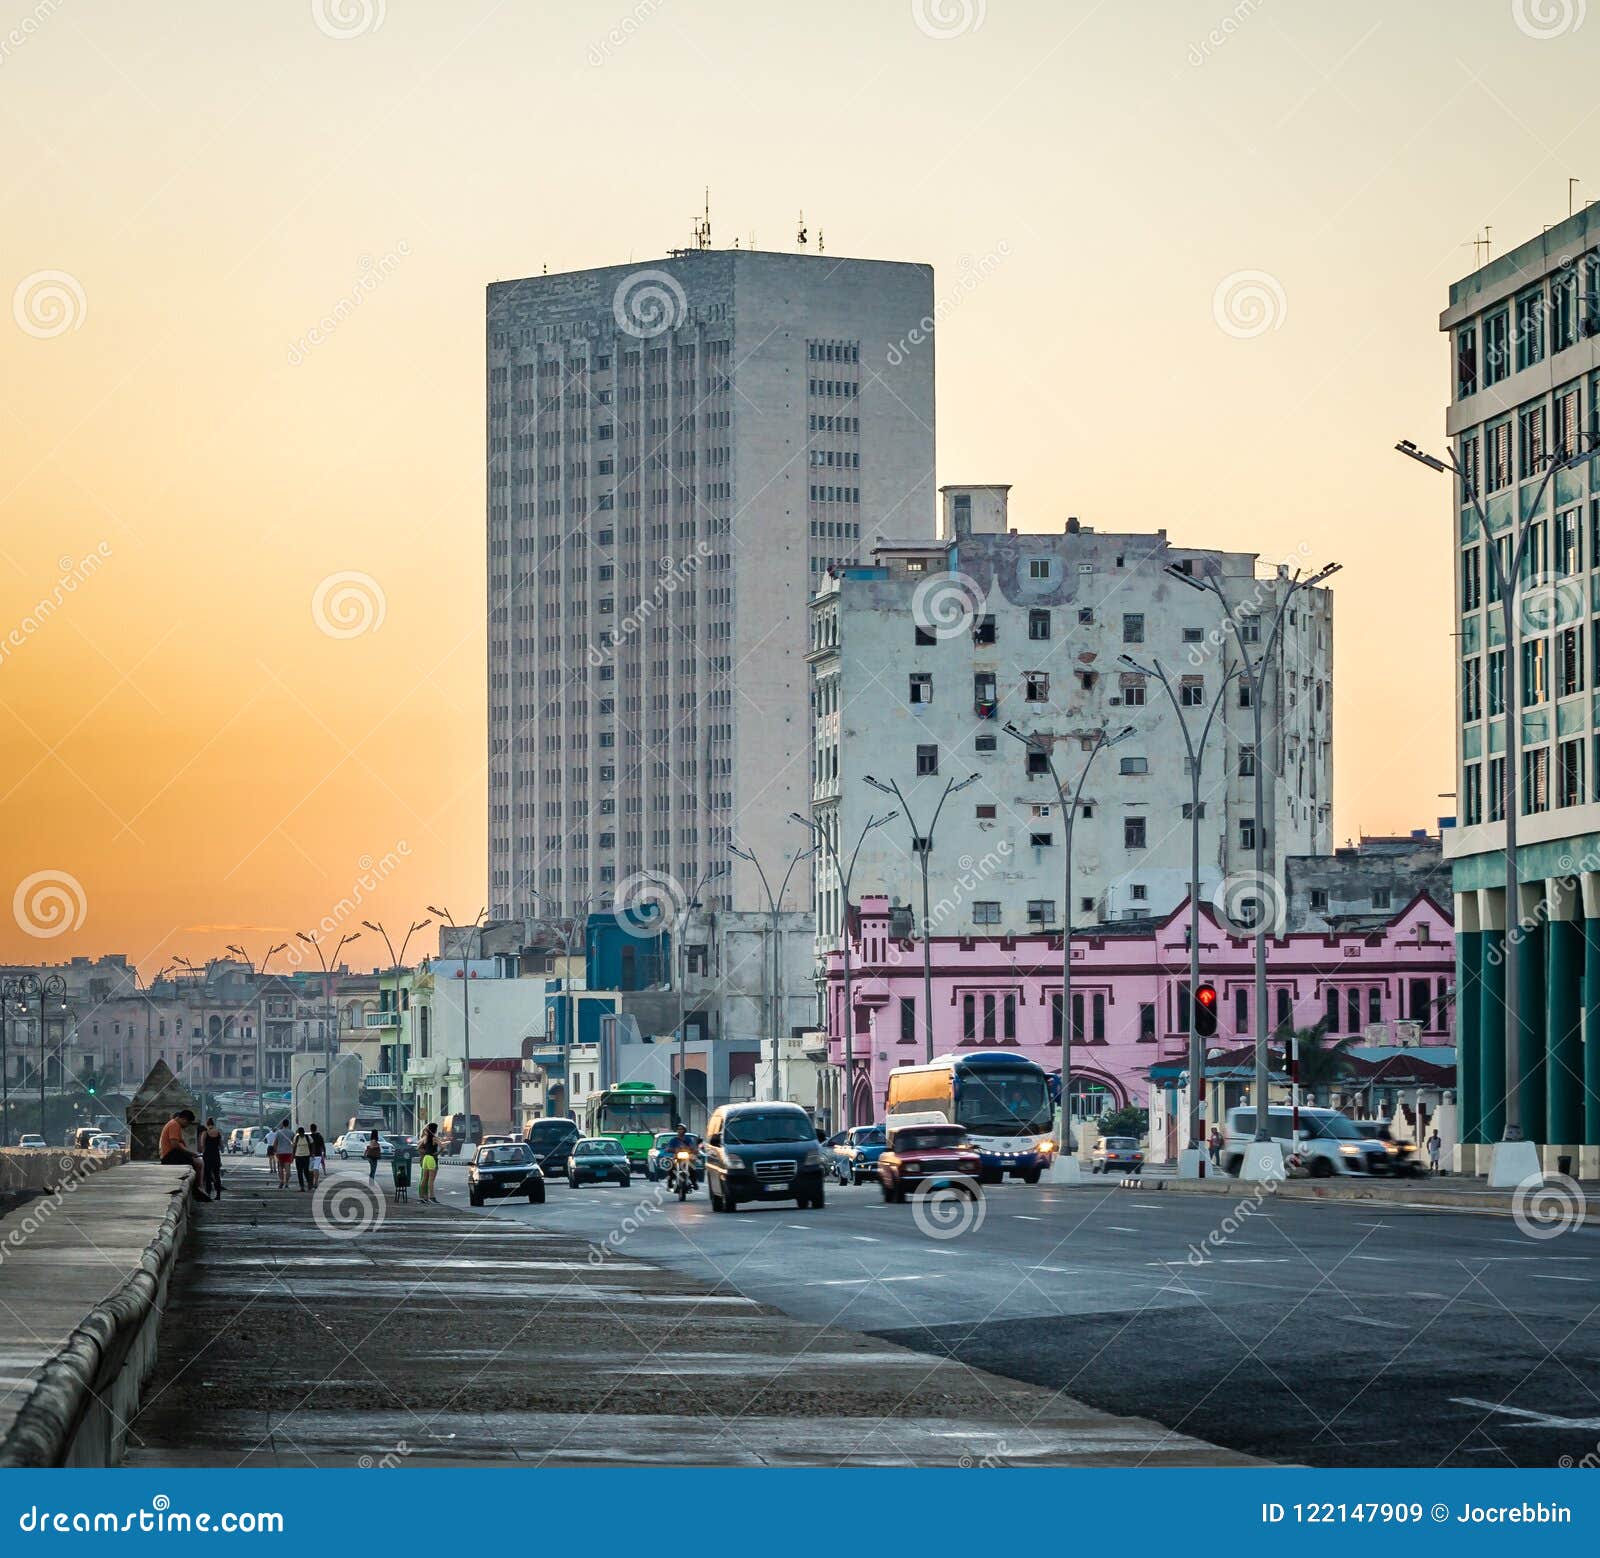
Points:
(174, 1150)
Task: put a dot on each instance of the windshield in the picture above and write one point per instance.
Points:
(547, 1132)
(753, 1130)
(920, 1138)
(637, 1116)
(599, 1149)
(503, 1157)
(1121, 1143)
(1335, 1125)
(1004, 1103)
(869, 1136)
(666, 1139)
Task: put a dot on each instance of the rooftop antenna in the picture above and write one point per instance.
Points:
(819, 240)
(800, 237)
(1480, 249)
(702, 228)
(1571, 185)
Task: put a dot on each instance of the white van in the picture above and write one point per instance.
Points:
(1329, 1143)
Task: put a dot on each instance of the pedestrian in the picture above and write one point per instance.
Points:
(211, 1159)
(302, 1158)
(1214, 1142)
(281, 1146)
(428, 1151)
(174, 1150)
(1435, 1147)
(401, 1165)
(373, 1151)
(319, 1154)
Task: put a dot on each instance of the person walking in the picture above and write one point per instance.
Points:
(281, 1146)
(1435, 1148)
(373, 1151)
(211, 1159)
(302, 1158)
(319, 1154)
(428, 1152)
(1214, 1143)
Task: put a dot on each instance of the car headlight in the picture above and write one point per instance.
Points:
(1350, 1151)
(813, 1158)
(1046, 1145)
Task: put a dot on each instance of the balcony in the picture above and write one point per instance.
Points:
(382, 1019)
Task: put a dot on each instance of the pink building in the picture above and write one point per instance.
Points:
(1129, 994)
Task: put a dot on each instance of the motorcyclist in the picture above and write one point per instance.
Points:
(681, 1142)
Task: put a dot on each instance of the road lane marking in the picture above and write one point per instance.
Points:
(1147, 1206)
(863, 1238)
(1386, 1259)
(857, 1282)
(1556, 1276)
(1023, 1217)
(1387, 1325)
(1534, 1419)
(1112, 1228)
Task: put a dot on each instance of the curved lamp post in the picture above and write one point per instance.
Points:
(774, 909)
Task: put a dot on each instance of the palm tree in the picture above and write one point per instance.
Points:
(1322, 1061)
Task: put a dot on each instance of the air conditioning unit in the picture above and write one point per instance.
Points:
(1408, 1033)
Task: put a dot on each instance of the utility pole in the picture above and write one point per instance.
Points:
(774, 910)
(396, 960)
(257, 972)
(476, 927)
(329, 1041)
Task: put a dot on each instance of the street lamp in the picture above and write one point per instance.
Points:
(188, 966)
(396, 960)
(476, 927)
(1266, 1162)
(922, 846)
(774, 909)
(258, 970)
(330, 1032)
(1513, 1160)
(844, 873)
(1067, 1168)
(24, 988)
(1191, 1165)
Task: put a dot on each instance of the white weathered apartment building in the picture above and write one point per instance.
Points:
(677, 451)
(922, 658)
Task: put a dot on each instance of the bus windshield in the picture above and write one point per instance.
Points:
(1004, 1103)
(643, 1115)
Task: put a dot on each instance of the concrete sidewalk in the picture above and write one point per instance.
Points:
(437, 1336)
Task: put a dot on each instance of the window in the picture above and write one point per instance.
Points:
(1466, 362)
(1567, 542)
(1189, 812)
(1133, 627)
(984, 693)
(1193, 636)
(986, 912)
(1472, 795)
(1564, 311)
(1471, 579)
(1038, 567)
(1250, 630)
(1319, 900)
(1036, 687)
(1499, 456)
(1496, 342)
(927, 760)
(1536, 780)
(1192, 692)
(1569, 773)
(924, 637)
(1241, 1010)
(1038, 625)
(1535, 687)
(1246, 695)
(985, 812)
(1569, 662)
(983, 630)
(1531, 439)
(1147, 1022)
(1133, 692)
(921, 687)
(1086, 616)
(986, 742)
(1133, 832)
(1247, 762)
(1134, 765)
(1137, 892)
(1497, 789)
(1496, 681)
(1040, 840)
(969, 1017)
(1037, 762)
(1530, 329)
(1380, 897)
(1042, 911)
(1247, 833)
(1471, 688)
(908, 1019)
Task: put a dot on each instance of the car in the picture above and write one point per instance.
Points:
(597, 1158)
(855, 1159)
(550, 1140)
(496, 1140)
(1117, 1152)
(106, 1142)
(1328, 1143)
(83, 1135)
(353, 1144)
(32, 1140)
(504, 1168)
(928, 1157)
(1401, 1156)
(659, 1157)
(762, 1152)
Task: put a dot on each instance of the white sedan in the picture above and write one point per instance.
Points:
(353, 1144)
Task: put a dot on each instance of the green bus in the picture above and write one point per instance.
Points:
(631, 1113)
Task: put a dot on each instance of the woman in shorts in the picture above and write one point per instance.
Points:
(282, 1148)
(428, 1153)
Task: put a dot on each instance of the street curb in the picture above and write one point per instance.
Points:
(1487, 1204)
(77, 1413)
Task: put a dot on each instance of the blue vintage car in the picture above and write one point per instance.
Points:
(855, 1153)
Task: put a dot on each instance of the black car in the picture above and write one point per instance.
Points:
(550, 1141)
(762, 1152)
(597, 1158)
(504, 1169)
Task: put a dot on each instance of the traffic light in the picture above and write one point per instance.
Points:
(1205, 1010)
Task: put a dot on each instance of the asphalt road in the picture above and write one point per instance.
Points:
(1318, 1333)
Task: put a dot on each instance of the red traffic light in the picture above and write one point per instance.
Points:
(1205, 1010)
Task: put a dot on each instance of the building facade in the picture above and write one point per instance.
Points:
(921, 659)
(676, 453)
(1130, 1003)
(1524, 333)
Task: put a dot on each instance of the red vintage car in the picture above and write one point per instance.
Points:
(927, 1157)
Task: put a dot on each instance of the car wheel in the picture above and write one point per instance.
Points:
(624, 1181)
(475, 1198)
(536, 1197)
(716, 1200)
(888, 1194)
(819, 1200)
(1032, 1176)
(573, 1181)
(1321, 1168)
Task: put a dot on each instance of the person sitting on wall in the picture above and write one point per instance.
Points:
(174, 1150)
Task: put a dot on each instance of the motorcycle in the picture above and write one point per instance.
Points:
(681, 1177)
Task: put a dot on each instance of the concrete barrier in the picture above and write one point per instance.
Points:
(88, 1388)
(30, 1170)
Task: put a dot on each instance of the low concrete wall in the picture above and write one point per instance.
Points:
(89, 1388)
(29, 1170)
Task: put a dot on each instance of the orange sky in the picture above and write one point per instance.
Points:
(191, 188)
